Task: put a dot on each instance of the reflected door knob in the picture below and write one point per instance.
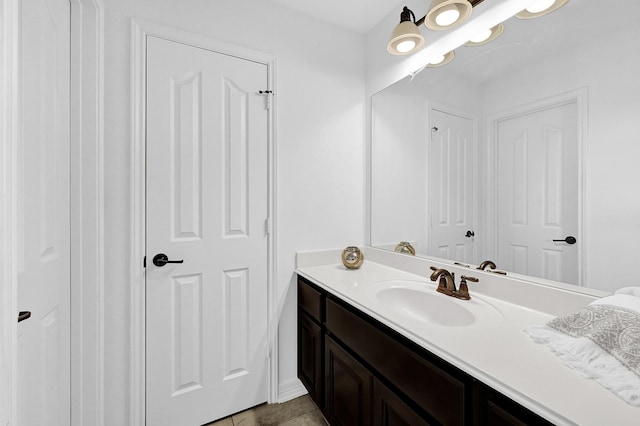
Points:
(568, 240)
(161, 259)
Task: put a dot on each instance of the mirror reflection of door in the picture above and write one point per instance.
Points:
(538, 193)
(451, 183)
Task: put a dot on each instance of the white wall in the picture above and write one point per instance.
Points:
(320, 96)
(398, 156)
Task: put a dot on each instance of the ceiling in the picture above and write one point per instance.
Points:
(359, 16)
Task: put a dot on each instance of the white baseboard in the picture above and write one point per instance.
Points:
(290, 389)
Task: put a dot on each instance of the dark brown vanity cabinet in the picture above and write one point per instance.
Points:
(360, 372)
(311, 341)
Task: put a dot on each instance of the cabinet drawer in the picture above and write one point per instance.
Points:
(310, 299)
(440, 394)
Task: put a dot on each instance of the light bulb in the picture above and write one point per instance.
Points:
(481, 36)
(447, 16)
(540, 5)
(406, 46)
(437, 60)
(406, 38)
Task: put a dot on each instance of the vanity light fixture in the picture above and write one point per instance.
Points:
(442, 15)
(486, 36)
(442, 60)
(445, 14)
(540, 8)
(406, 37)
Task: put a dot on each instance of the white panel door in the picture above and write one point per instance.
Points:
(538, 193)
(451, 208)
(43, 363)
(206, 205)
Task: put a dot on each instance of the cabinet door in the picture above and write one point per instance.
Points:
(493, 408)
(310, 357)
(498, 416)
(390, 410)
(348, 388)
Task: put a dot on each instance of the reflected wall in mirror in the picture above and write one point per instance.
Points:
(531, 138)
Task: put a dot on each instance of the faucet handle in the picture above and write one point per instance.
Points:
(463, 290)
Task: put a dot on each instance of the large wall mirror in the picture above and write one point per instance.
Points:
(531, 138)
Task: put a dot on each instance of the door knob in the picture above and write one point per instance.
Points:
(23, 315)
(161, 259)
(568, 240)
(470, 234)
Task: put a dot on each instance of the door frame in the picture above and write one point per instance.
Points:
(467, 115)
(86, 199)
(140, 31)
(580, 97)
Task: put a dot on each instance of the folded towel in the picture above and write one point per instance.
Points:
(631, 291)
(601, 341)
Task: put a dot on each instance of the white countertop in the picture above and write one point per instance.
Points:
(498, 353)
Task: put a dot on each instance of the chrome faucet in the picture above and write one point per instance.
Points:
(447, 284)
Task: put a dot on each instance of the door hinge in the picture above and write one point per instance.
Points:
(144, 262)
(268, 94)
(267, 226)
(268, 349)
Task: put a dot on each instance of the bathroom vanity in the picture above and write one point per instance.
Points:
(368, 353)
(370, 374)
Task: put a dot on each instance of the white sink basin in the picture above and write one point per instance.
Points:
(419, 301)
(425, 306)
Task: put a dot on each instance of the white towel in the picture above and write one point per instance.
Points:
(601, 341)
(631, 291)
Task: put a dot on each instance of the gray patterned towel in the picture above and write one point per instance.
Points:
(601, 341)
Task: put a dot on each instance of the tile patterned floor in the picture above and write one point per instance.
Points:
(297, 412)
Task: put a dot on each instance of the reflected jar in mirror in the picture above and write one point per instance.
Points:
(406, 248)
(352, 257)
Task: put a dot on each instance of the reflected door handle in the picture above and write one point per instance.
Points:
(161, 259)
(568, 240)
(23, 315)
